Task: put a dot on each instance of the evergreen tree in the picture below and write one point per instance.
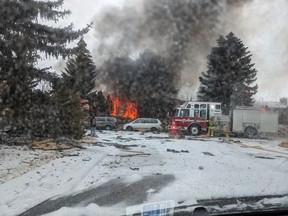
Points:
(44, 118)
(98, 104)
(230, 75)
(109, 103)
(101, 103)
(80, 72)
(70, 118)
(22, 38)
(156, 88)
(284, 101)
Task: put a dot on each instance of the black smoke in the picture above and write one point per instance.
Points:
(180, 31)
(147, 81)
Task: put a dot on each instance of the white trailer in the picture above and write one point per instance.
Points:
(248, 121)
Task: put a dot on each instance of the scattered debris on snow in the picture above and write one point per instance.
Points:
(176, 151)
(132, 155)
(284, 144)
(208, 153)
(106, 158)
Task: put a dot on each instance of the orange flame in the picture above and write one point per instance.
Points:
(126, 109)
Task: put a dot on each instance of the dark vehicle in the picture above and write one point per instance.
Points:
(106, 123)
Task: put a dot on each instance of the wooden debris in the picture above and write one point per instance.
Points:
(184, 151)
(173, 150)
(176, 151)
(55, 144)
(284, 144)
(208, 153)
(132, 155)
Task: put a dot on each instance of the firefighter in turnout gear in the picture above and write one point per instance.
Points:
(211, 127)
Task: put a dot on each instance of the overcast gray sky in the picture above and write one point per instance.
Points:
(264, 31)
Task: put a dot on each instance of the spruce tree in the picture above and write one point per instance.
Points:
(22, 38)
(230, 76)
(101, 103)
(156, 88)
(70, 118)
(109, 103)
(80, 72)
(98, 104)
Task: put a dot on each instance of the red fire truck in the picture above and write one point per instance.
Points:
(191, 117)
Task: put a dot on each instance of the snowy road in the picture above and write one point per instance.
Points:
(197, 169)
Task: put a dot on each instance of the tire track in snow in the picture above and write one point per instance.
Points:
(86, 173)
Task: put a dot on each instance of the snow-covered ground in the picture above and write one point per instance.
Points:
(201, 169)
(17, 160)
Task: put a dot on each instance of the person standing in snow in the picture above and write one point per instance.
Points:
(211, 127)
(93, 126)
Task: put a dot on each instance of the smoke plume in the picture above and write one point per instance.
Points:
(182, 31)
(262, 27)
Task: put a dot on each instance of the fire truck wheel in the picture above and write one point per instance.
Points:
(250, 132)
(194, 130)
(129, 128)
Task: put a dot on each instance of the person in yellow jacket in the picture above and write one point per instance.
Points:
(211, 127)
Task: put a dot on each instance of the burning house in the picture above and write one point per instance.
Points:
(126, 109)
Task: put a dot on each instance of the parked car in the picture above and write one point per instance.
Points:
(107, 123)
(151, 124)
